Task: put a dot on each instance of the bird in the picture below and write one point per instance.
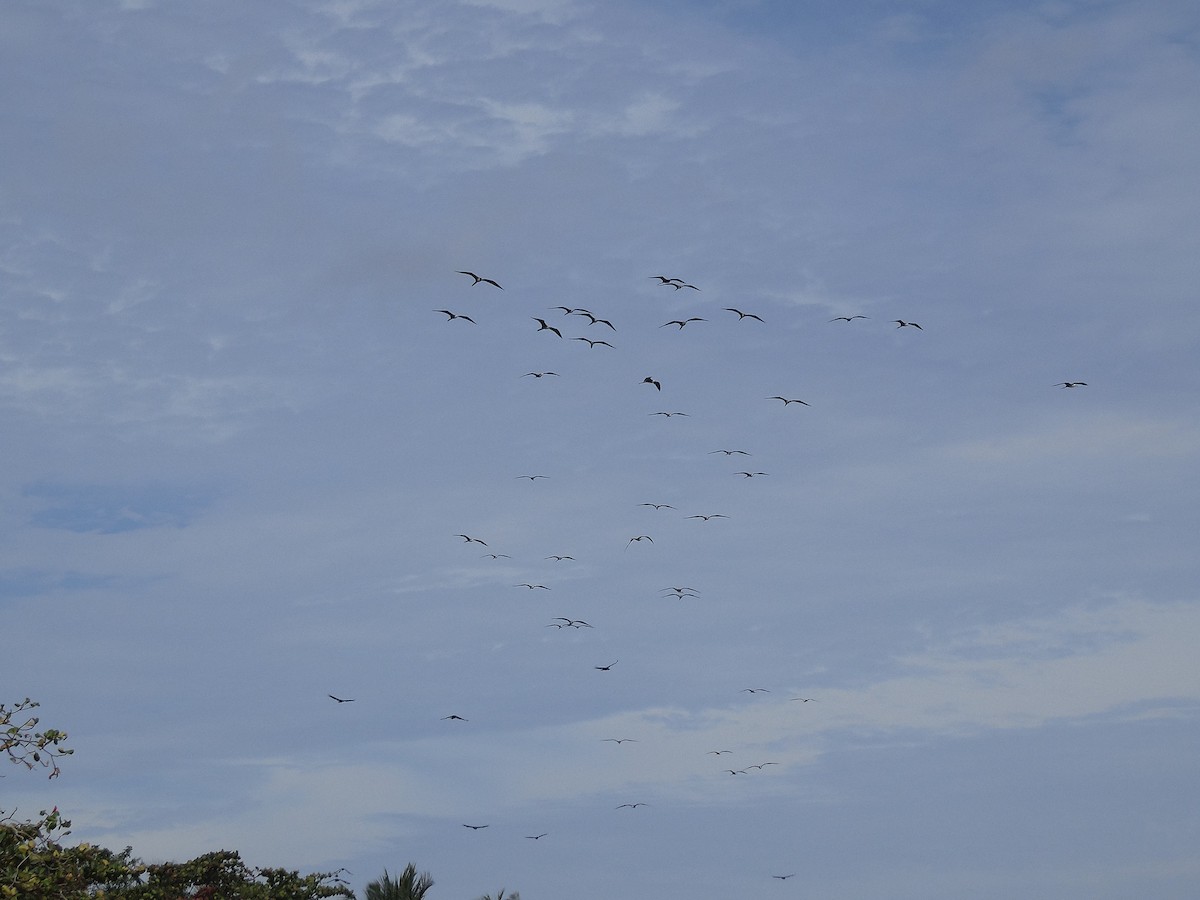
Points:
(496, 556)
(593, 344)
(538, 374)
(680, 283)
(729, 452)
(786, 401)
(682, 593)
(536, 837)
(569, 623)
(847, 318)
(619, 740)
(479, 279)
(597, 321)
(754, 691)
(558, 558)
(650, 380)
(736, 771)
(631, 805)
(471, 540)
(1071, 384)
(544, 326)
(750, 474)
(742, 315)
(678, 590)
(665, 280)
(762, 765)
(658, 505)
(526, 584)
(784, 877)
(900, 323)
(455, 316)
(569, 310)
(340, 699)
(640, 537)
(711, 516)
(719, 752)
(457, 719)
(606, 668)
(682, 322)
(806, 699)
(670, 414)
(532, 477)
(474, 827)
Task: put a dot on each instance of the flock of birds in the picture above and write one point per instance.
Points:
(565, 623)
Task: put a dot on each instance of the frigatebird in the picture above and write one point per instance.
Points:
(455, 316)
(479, 279)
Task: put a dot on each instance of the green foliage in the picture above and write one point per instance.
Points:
(27, 747)
(407, 886)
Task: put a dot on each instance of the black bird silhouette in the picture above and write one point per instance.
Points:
(762, 765)
(558, 558)
(736, 771)
(570, 623)
(596, 321)
(538, 374)
(900, 323)
(497, 556)
(479, 279)
(786, 401)
(568, 310)
(339, 699)
(784, 877)
(681, 593)
(594, 344)
(474, 827)
(750, 474)
(670, 414)
(471, 540)
(526, 584)
(665, 280)
(711, 516)
(458, 719)
(631, 805)
(535, 837)
(1071, 384)
(678, 590)
(606, 669)
(649, 380)
(719, 752)
(682, 322)
(455, 316)
(847, 318)
(742, 315)
(658, 505)
(754, 691)
(544, 326)
(729, 452)
(619, 740)
(806, 699)
(640, 537)
(531, 477)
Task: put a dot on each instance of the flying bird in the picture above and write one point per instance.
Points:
(536, 837)
(631, 805)
(665, 280)
(670, 414)
(569, 310)
(806, 699)
(607, 668)
(736, 771)
(900, 323)
(784, 877)
(532, 477)
(658, 505)
(750, 474)
(719, 752)
(474, 827)
(340, 699)
(649, 380)
(526, 584)
(455, 316)
(497, 556)
(538, 374)
(458, 719)
(591, 343)
(754, 691)
(597, 321)
(619, 740)
(558, 558)
(729, 452)
(742, 315)
(470, 540)
(1071, 384)
(640, 537)
(711, 516)
(847, 318)
(479, 279)
(786, 401)
(544, 326)
(682, 322)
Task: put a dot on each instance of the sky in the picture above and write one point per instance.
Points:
(248, 462)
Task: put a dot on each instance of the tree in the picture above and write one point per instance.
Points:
(502, 896)
(408, 885)
(27, 747)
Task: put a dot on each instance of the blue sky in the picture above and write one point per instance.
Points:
(240, 440)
